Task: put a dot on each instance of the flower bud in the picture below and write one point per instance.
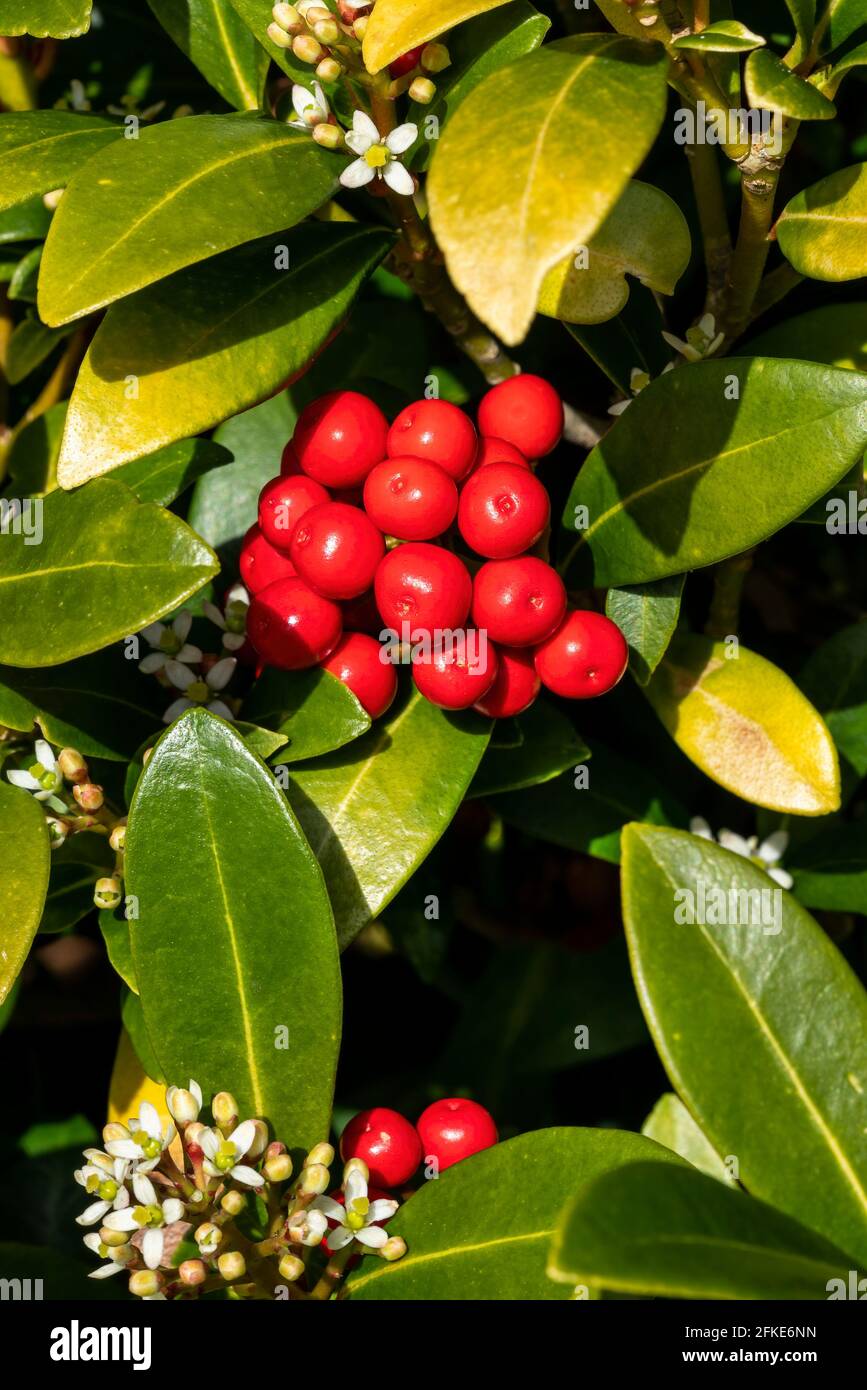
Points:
(329, 70)
(109, 1237)
(306, 48)
(307, 1227)
(316, 13)
(279, 36)
(113, 1132)
(278, 1168)
(57, 831)
(192, 1272)
(88, 795)
(394, 1248)
(107, 892)
(72, 765)
(182, 1105)
(52, 198)
(356, 1165)
(224, 1109)
(145, 1283)
(326, 31)
(232, 1265)
(435, 57)
(315, 1178)
(260, 1142)
(290, 1268)
(233, 1202)
(288, 18)
(320, 1153)
(329, 136)
(422, 90)
(208, 1237)
(194, 1132)
(117, 838)
(360, 25)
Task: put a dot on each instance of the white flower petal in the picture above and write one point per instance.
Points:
(95, 1212)
(153, 662)
(774, 847)
(93, 1242)
(372, 1236)
(222, 709)
(152, 1248)
(736, 843)
(212, 611)
(195, 1090)
(354, 1187)
(44, 755)
(233, 641)
(401, 139)
(399, 179)
(176, 708)
(238, 594)
(182, 624)
(357, 174)
(180, 675)
(152, 633)
(209, 1142)
(221, 673)
(189, 655)
(699, 826)
(123, 1148)
(173, 1210)
(382, 1209)
(327, 1205)
(23, 779)
(105, 1271)
(248, 1176)
(337, 1239)
(150, 1121)
(144, 1190)
(121, 1221)
(781, 877)
(364, 126)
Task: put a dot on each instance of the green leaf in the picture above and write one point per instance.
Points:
(41, 150)
(835, 679)
(747, 726)
(633, 339)
(398, 25)
(830, 870)
(671, 1125)
(469, 1237)
(803, 14)
(26, 860)
(22, 286)
(115, 934)
(510, 201)
(654, 1229)
(844, 17)
(31, 343)
(835, 334)
(257, 15)
(263, 742)
(70, 894)
(26, 221)
(588, 818)
(132, 1015)
(241, 897)
(47, 19)
(783, 1097)
(35, 451)
(374, 810)
(645, 234)
(791, 433)
(647, 615)
(101, 705)
(857, 58)
(726, 36)
(821, 230)
(217, 41)
(549, 745)
(179, 194)
(773, 86)
(163, 476)
(313, 710)
(108, 565)
(210, 341)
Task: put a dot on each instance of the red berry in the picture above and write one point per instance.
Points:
(586, 656)
(260, 563)
(526, 411)
(437, 431)
(406, 62)
(503, 510)
(339, 437)
(387, 1143)
(424, 586)
(410, 498)
(519, 602)
(291, 626)
(357, 661)
(458, 673)
(498, 451)
(336, 550)
(451, 1130)
(289, 465)
(515, 686)
(362, 615)
(282, 503)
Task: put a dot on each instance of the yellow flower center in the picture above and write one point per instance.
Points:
(376, 156)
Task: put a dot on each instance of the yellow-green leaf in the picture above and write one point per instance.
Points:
(823, 230)
(773, 86)
(746, 725)
(216, 39)
(395, 26)
(534, 160)
(645, 234)
(727, 36)
(25, 854)
(44, 19)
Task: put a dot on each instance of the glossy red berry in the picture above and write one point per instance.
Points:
(503, 510)
(406, 62)
(339, 437)
(336, 550)
(499, 451)
(515, 686)
(289, 465)
(526, 411)
(519, 602)
(357, 661)
(410, 498)
(453, 1129)
(586, 656)
(291, 626)
(424, 586)
(261, 563)
(457, 674)
(437, 431)
(283, 502)
(387, 1143)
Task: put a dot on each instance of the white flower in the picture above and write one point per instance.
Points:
(308, 1227)
(701, 341)
(222, 1155)
(184, 1106)
(356, 1219)
(311, 108)
(199, 691)
(232, 623)
(43, 778)
(150, 1216)
(102, 1177)
(145, 1139)
(377, 156)
(766, 855)
(118, 1256)
(168, 643)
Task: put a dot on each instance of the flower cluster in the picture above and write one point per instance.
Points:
(201, 677)
(185, 1208)
(766, 855)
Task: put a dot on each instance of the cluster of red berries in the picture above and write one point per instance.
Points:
(393, 1149)
(325, 584)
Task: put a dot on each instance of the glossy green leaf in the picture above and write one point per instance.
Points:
(257, 15)
(374, 810)
(263, 742)
(118, 948)
(508, 203)
(772, 86)
(209, 342)
(654, 1229)
(631, 340)
(801, 1080)
(398, 25)
(22, 286)
(75, 868)
(46, 19)
(792, 431)
(163, 476)
(647, 615)
(26, 221)
(835, 679)
(645, 235)
(25, 854)
(671, 1125)
(747, 726)
(856, 58)
(830, 871)
(803, 14)
(31, 343)
(467, 1235)
(821, 230)
(217, 41)
(835, 334)
(41, 150)
(179, 194)
(241, 894)
(108, 565)
(726, 36)
(549, 745)
(844, 18)
(35, 451)
(313, 710)
(142, 1049)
